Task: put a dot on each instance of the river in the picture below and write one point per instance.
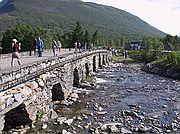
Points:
(126, 100)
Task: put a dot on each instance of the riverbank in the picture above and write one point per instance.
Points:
(159, 70)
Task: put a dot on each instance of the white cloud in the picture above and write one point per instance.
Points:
(162, 14)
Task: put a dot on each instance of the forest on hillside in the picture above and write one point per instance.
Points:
(59, 16)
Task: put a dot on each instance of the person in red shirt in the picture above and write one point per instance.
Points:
(16, 46)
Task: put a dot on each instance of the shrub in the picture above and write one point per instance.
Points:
(136, 55)
(173, 59)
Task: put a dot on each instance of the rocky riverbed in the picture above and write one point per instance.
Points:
(121, 99)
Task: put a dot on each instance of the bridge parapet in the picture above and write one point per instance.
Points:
(20, 74)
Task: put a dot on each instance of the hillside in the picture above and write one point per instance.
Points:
(60, 15)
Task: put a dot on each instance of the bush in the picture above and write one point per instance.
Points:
(173, 59)
(136, 55)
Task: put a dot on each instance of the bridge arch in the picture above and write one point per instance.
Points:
(76, 78)
(17, 117)
(87, 69)
(94, 63)
(57, 93)
(100, 62)
(103, 60)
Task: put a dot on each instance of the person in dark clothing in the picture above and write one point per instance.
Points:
(16, 46)
(35, 46)
(54, 46)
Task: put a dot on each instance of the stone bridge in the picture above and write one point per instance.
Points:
(27, 91)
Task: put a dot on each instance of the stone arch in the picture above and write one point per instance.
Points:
(106, 59)
(17, 117)
(100, 63)
(87, 69)
(76, 78)
(57, 93)
(103, 60)
(94, 63)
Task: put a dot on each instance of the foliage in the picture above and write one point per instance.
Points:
(88, 78)
(39, 115)
(169, 61)
(95, 38)
(136, 55)
(118, 58)
(153, 49)
(87, 39)
(58, 15)
(24, 34)
(168, 42)
(76, 35)
(173, 59)
(122, 41)
(171, 43)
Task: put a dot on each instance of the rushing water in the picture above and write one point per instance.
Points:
(130, 97)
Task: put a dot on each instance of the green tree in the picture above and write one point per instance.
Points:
(153, 49)
(45, 35)
(169, 42)
(122, 41)
(25, 34)
(87, 39)
(77, 34)
(95, 38)
(66, 41)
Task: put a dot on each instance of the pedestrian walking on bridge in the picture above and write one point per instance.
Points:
(59, 45)
(16, 47)
(54, 47)
(39, 46)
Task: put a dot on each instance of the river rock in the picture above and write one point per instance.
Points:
(60, 120)
(41, 83)
(67, 103)
(32, 85)
(18, 97)
(125, 131)
(130, 113)
(9, 101)
(103, 127)
(79, 126)
(26, 91)
(142, 129)
(64, 131)
(44, 126)
(68, 122)
(96, 131)
(15, 133)
(102, 113)
(114, 129)
(53, 114)
(2, 104)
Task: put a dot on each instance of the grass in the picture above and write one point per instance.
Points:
(88, 78)
(120, 58)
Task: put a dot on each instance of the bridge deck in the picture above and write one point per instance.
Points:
(5, 63)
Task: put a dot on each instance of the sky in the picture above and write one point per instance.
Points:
(161, 14)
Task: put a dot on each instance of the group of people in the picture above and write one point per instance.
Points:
(56, 47)
(16, 47)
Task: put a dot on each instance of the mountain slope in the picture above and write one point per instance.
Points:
(60, 15)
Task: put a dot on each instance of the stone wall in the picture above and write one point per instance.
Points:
(32, 88)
